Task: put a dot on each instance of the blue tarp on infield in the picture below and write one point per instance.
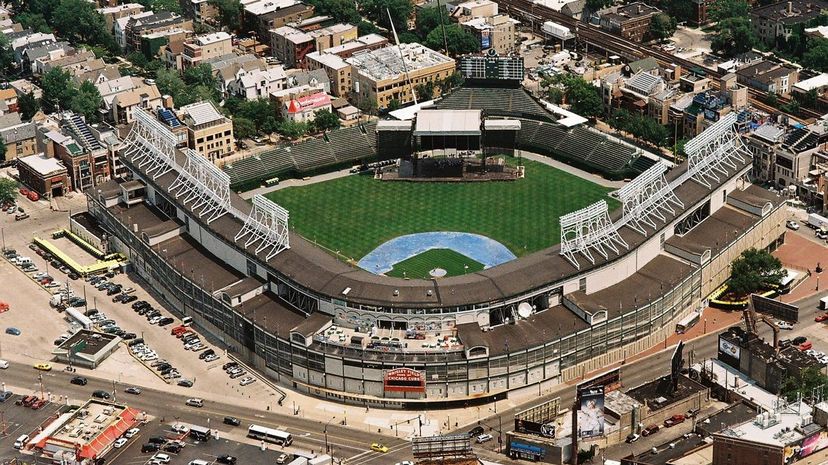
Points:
(479, 248)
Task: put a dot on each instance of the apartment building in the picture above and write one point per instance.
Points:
(769, 76)
(260, 16)
(258, 83)
(113, 13)
(205, 47)
(18, 136)
(202, 11)
(779, 20)
(631, 22)
(208, 132)
(494, 32)
(387, 74)
(291, 45)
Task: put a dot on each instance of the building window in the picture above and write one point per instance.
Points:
(582, 284)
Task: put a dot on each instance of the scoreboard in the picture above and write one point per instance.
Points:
(492, 67)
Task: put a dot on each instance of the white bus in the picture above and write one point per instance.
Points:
(687, 322)
(270, 435)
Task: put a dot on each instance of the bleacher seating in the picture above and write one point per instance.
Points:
(82, 131)
(494, 101)
(342, 145)
(641, 164)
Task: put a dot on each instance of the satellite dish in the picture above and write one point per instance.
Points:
(524, 309)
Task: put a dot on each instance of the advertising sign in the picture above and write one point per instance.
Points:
(591, 412)
(813, 443)
(776, 308)
(404, 380)
(542, 429)
(485, 39)
(729, 350)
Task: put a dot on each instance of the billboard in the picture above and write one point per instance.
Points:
(591, 412)
(457, 445)
(546, 430)
(729, 350)
(775, 308)
(540, 419)
(813, 443)
(485, 39)
(404, 380)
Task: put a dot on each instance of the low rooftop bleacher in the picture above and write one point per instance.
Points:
(494, 101)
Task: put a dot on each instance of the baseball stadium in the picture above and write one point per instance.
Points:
(458, 269)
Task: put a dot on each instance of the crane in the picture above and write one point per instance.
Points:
(751, 318)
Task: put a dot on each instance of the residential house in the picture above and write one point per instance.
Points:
(474, 9)
(75, 124)
(336, 68)
(632, 21)
(154, 26)
(769, 76)
(54, 144)
(303, 109)
(24, 86)
(34, 57)
(778, 21)
(763, 142)
(205, 47)
(8, 98)
(119, 29)
(258, 83)
(260, 16)
(209, 132)
(227, 69)
(113, 13)
(121, 96)
(203, 11)
(24, 40)
(18, 136)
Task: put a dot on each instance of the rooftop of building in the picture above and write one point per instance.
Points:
(387, 63)
(88, 342)
(658, 394)
(207, 39)
(671, 451)
(787, 424)
(817, 82)
(361, 41)
(108, 10)
(43, 165)
(790, 12)
(201, 113)
(769, 132)
(260, 7)
(733, 414)
(329, 60)
(619, 403)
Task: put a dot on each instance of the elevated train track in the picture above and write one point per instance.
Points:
(535, 15)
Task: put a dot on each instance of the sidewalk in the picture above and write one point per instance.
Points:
(572, 170)
(296, 182)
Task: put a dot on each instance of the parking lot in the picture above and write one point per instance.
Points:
(209, 451)
(18, 420)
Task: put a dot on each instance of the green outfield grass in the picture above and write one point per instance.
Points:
(419, 266)
(355, 214)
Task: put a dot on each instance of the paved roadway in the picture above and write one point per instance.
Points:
(352, 443)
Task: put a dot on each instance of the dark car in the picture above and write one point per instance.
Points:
(784, 343)
(173, 447)
(799, 340)
(652, 429)
(4, 396)
(100, 394)
(227, 459)
(118, 298)
(128, 298)
(165, 321)
(185, 383)
(229, 365)
(133, 390)
(150, 447)
(232, 421)
(206, 354)
(157, 440)
(74, 276)
(476, 431)
(76, 302)
(113, 290)
(79, 380)
(140, 304)
(129, 336)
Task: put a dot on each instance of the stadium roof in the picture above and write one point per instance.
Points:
(448, 122)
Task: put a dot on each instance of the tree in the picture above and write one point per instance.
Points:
(460, 41)
(243, 128)
(583, 97)
(754, 270)
(44, 8)
(138, 59)
(424, 91)
(378, 10)
(201, 74)
(428, 19)
(229, 13)
(58, 90)
(365, 28)
(28, 106)
(343, 11)
(721, 10)
(733, 36)
(662, 27)
(166, 5)
(595, 5)
(86, 101)
(554, 94)
(79, 22)
(8, 187)
(325, 120)
(682, 10)
(810, 380)
(6, 55)
(816, 55)
(33, 21)
(170, 83)
(292, 129)
(394, 104)
(771, 99)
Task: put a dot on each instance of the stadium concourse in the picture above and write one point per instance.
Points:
(618, 282)
(539, 133)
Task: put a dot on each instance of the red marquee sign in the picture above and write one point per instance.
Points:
(404, 380)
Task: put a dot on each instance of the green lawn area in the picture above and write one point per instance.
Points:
(355, 214)
(418, 266)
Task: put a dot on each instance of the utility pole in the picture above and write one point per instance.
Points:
(499, 434)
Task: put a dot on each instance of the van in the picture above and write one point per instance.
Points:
(187, 321)
(4, 364)
(823, 303)
(21, 441)
(23, 261)
(198, 462)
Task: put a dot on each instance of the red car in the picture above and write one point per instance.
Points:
(674, 420)
(652, 429)
(821, 318)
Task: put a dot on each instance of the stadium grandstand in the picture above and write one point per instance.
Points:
(336, 148)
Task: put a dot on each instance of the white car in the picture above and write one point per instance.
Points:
(119, 443)
(791, 224)
(161, 458)
(484, 438)
(211, 358)
(179, 428)
(784, 325)
(247, 380)
(132, 432)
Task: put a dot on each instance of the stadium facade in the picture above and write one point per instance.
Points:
(528, 324)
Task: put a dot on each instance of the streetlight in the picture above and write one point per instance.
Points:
(325, 431)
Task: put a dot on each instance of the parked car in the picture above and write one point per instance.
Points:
(799, 340)
(119, 443)
(132, 432)
(150, 447)
(674, 420)
(484, 438)
(187, 383)
(247, 380)
(226, 459)
(784, 325)
(79, 380)
(179, 428)
(632, 437)
(652, 429)
(13, 331)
